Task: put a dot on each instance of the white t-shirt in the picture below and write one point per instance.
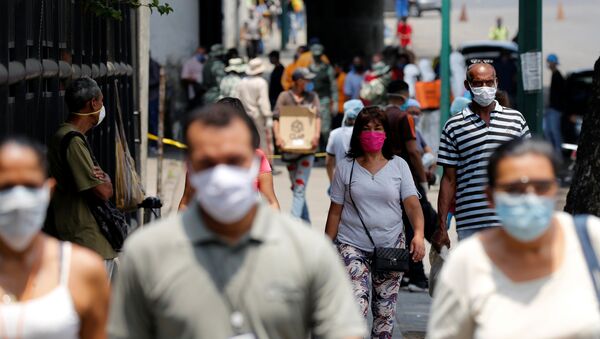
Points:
(474, 299)
(339, 142)
(378, 198)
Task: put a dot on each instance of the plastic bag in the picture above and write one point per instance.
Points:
(129, 189)
(437, 262)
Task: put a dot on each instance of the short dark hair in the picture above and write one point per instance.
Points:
(519, 147)
(21, 141)
(397, 86)
(80, 91)
(221, 114)
(238, 105)
(274, 54)
(366, 115)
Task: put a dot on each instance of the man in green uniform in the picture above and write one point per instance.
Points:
(325, 85)
(212, 74)
(76, 175)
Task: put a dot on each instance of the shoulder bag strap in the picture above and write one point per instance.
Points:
(588, 251)
(66, 141)
(355, 207)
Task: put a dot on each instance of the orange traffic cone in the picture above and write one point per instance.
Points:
(463, 13)
(561, 12)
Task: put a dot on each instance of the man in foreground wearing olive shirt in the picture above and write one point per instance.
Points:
(230, 267)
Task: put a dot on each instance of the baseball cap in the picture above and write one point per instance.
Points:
(302, 73)
(552, 58)
(352, 108)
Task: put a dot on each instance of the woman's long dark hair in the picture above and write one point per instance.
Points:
(365, 116)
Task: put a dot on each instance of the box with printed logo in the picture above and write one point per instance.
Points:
(297, 128)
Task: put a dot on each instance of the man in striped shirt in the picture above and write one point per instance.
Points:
(467, 141)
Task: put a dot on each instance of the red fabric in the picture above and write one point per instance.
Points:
(404, 33)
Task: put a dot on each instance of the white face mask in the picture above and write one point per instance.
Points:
(22, 214)
(483, 95)
(101, 113)
(226, 192)
(102, 116)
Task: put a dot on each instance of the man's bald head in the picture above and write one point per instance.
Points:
(480, 69)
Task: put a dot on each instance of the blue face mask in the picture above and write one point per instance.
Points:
(404, 107)
(524, 216)
(309, 87)
(200, 57)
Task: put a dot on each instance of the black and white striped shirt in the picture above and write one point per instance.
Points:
(467, 143)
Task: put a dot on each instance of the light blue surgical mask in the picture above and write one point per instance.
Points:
(524, 216)
(309, 87)
(404, 107)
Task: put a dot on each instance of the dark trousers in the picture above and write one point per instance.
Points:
(253, 49)
(416, 271)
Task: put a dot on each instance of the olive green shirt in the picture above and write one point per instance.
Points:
(72, 217)
(287, 280)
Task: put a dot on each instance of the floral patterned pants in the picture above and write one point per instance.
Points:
(385, 287)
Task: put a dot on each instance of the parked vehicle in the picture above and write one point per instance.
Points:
(417, 7)
(488, 50)
(578, 91)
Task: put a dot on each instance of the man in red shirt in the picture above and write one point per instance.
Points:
(404, 33)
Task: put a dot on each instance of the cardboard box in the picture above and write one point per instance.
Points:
(297, 128)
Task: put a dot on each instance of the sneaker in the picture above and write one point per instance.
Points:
(418, 286)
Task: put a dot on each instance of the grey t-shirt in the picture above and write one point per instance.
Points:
(377, 196)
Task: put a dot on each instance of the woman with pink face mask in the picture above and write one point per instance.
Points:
(371, 183)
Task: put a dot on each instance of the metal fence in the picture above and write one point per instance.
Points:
(46, 43)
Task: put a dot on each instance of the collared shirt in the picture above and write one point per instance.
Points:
(467, 144)
(75, 177)
(253, 91)
(286, 279)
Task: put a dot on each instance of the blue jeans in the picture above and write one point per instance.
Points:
(464, 234)
(552, 128)
(299, 171)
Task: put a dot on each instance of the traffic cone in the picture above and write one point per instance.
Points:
(561, 12)
(463, 13)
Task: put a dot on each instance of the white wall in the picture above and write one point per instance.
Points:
(174, 37)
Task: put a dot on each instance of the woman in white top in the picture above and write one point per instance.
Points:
(380, 182)
(527, 278)
(48, 289)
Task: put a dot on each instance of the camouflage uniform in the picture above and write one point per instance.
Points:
(213, 73)
(326, 87)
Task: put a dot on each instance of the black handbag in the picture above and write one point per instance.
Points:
(385, 259)
(111, 222)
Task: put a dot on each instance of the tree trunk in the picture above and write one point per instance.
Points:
(584, 194)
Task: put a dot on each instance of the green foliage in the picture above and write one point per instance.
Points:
(110, 8)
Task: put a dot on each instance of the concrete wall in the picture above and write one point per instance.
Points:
(174, 37)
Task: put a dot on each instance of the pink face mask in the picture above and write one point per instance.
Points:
(372, 141)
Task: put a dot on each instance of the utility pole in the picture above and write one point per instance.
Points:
(529, 95)
(445, 63)
(285, 24)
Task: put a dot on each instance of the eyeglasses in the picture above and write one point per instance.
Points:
(540, 186)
